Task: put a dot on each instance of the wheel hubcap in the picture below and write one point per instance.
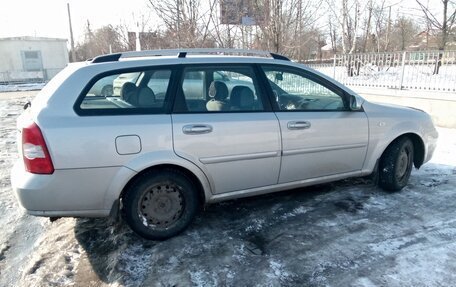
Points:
(402, 164)
(161, 205)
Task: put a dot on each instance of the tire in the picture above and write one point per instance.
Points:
(396, 165)
(160, 204)
(107, 91)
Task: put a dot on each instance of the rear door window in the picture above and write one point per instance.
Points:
(219, 89)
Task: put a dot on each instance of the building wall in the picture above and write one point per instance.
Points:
(439, 105)
(54, 55)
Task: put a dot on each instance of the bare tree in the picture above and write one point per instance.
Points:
(100, 41)
(276, 25)
(282, 26)
(186, 20)
(370, 8)
(225, 35)
(445, 25)
(290, 28)
(347, 13)
(143, 26)
(388, 30)
(403, 33)
(332, 34)
(381, 24)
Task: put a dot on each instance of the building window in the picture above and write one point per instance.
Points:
(31, 61)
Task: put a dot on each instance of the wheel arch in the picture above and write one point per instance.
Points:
(163, 166)
(145, 163)
(418, 147)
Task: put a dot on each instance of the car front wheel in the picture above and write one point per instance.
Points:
(396, 165)
(160, 204)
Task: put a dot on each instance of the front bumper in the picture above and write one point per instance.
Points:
(431, 144)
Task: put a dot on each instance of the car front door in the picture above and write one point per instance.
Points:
(225, 126)
(321, 136)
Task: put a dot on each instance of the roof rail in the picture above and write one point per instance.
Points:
(107, 58)
(182, 53)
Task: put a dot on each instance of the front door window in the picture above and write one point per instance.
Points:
(296, 92)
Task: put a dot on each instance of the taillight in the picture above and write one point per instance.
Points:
(34, 151)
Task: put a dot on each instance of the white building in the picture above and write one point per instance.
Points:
(25, 59)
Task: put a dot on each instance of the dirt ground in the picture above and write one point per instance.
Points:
(348, 233)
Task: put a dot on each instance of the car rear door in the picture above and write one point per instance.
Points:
(234, 139)
(321, 136)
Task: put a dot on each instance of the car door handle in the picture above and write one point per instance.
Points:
(300, 125)
(196, 129)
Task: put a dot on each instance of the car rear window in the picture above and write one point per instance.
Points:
(128, 92)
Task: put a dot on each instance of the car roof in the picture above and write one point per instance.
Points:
(195, 59)
(138, 59)
(140, 62)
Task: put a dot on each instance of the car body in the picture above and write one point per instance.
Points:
(294, 127)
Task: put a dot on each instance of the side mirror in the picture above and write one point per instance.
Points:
(279, 76)
(355, 103)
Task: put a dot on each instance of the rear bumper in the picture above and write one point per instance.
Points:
(65, 193)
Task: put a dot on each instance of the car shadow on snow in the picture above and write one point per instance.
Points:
(310, 236)
(329, 234)
(227, 233)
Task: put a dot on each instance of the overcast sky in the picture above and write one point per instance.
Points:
(48, 18)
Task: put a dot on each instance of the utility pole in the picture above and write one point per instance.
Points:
(178, 25)
(73, 54)
(388, 29)
(300, 31)
(138, 42)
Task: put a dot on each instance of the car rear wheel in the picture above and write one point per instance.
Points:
(160, 204)
(396, 165)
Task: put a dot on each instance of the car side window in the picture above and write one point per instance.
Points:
(158, 83)
(129, 91)
(294, 91)
(227, 89)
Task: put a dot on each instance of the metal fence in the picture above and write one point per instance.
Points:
(19, 77)
(430, 70)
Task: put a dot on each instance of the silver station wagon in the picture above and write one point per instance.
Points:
(183, 128)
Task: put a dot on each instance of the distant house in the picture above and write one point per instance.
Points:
(327, 51)
(429, 40)
(24, 59)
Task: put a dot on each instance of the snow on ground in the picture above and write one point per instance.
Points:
(348, 233)
(415, 76)
(21, 87)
